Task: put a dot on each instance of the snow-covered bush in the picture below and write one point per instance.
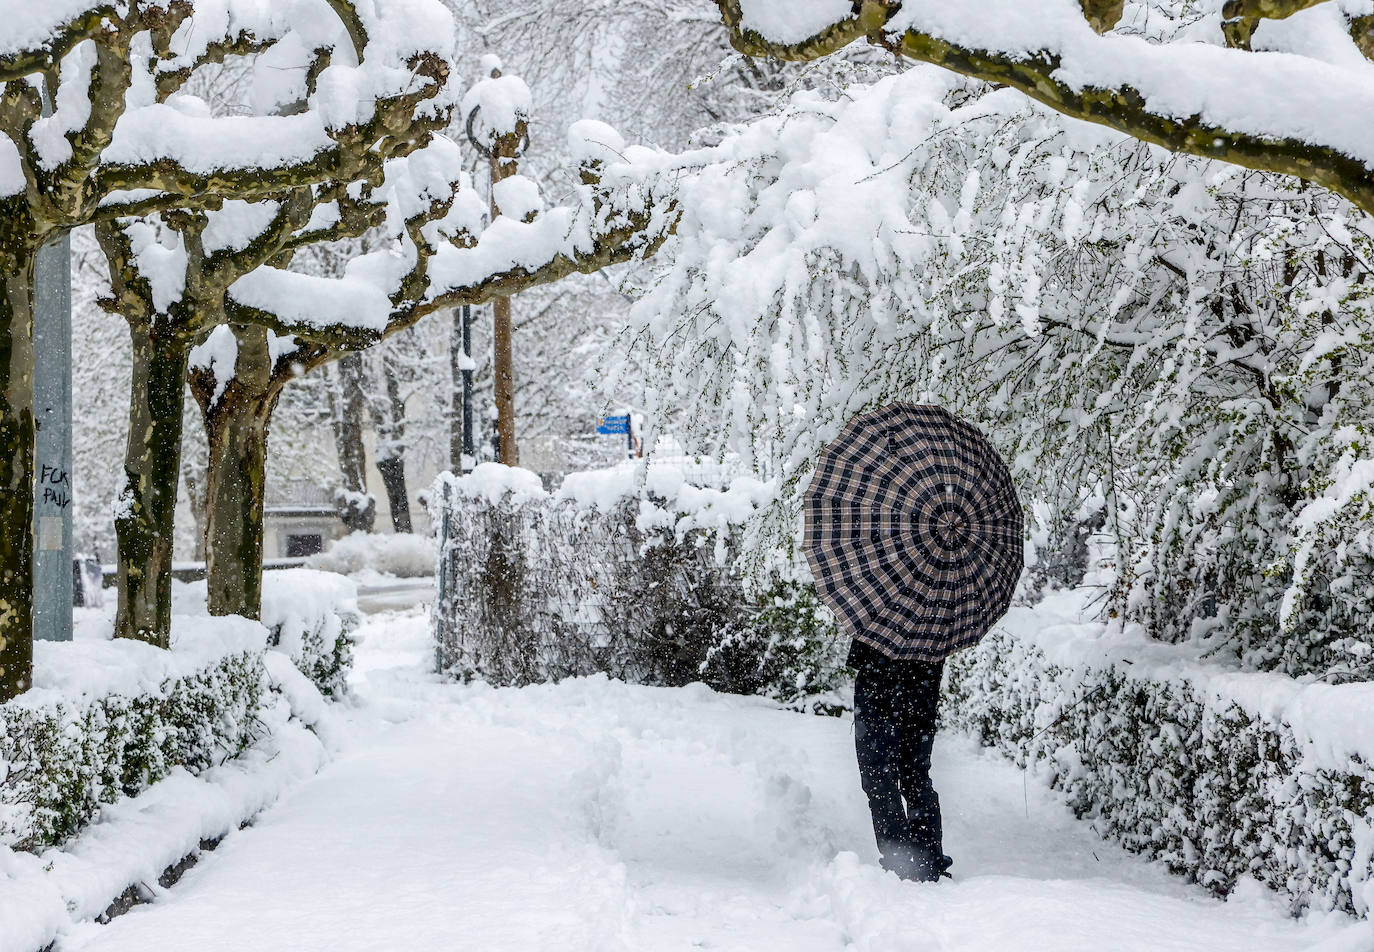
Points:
(105, 719)
(789, 648)
(310, 617)
(625, 571)
(1220, 775)
(402, 554)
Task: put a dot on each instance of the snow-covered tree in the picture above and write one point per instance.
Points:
(228, 274)
(1171, 72)
(113, 143)
(1180, 340)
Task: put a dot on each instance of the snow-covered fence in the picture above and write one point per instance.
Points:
(626, 572)
(1221, 775)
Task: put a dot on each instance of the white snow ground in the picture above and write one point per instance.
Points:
(593, 815)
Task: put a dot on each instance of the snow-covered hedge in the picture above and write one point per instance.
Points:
(628, 571)
(1222, 775)
(311, 617)
(107, 718)
(402, 554)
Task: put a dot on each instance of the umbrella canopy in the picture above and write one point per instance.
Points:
(914, 531)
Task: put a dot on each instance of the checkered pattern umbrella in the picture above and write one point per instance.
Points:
(914, 531)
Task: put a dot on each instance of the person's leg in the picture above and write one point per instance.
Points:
(877, 743)
(917, 713)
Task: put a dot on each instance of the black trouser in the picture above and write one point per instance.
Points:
(895, 707)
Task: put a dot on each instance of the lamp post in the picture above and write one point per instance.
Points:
(461, 451)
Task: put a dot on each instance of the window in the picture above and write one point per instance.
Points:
(299, 546)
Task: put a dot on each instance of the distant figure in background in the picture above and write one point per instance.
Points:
(914, 537)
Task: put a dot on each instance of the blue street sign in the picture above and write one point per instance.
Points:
(614, 424)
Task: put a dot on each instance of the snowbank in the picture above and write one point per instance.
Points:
(1221, 774)
(401, 554)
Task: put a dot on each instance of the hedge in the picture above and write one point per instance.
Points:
(1219, 775)
(625, 572)
(107, 719)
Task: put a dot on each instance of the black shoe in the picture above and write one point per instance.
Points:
(915, 864)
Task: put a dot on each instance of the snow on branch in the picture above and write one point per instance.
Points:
(1276, 111)
(346, 78)
(440, 257)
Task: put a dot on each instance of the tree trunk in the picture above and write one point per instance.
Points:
(152, 466)
(503, 364)
(235, 485)
(349, 401)
(390, 418)
(503, 166)
(393, 470)
(235, 490)
(16, 472)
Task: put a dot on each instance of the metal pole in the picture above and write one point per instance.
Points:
(469, 450)
(52, 399)
(52, 409)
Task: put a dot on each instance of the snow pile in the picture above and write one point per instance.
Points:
(1222, 775)
(107, 718)
(631, 571)
(400, 555)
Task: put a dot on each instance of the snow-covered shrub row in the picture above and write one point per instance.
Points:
(107, 718)
(310, 617)
(628, 571)
(1185, 343)
(1221, 775)
(402, 554)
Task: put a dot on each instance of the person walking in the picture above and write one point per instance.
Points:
(895, 708)
(914, 535)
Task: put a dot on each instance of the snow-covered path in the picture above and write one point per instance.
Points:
(597, 816)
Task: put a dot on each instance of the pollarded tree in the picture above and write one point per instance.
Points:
(112, 146)
(268, 325)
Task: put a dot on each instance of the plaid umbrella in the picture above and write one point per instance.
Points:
(913, 531)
